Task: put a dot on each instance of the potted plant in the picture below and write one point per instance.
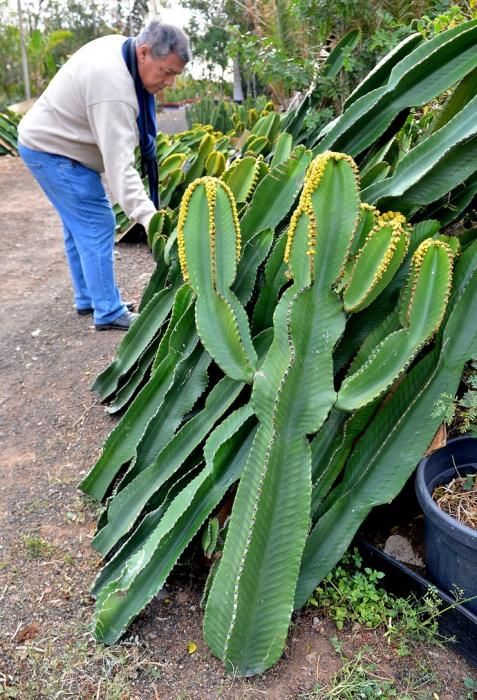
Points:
(446, 487)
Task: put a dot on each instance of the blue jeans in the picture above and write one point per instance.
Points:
(78, 196)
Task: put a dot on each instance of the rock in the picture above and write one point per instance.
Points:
(398, 547)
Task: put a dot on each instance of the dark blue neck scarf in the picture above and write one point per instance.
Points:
(146, 123)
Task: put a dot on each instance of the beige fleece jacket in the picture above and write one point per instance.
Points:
(88, 113)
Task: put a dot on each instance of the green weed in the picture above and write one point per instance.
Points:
(37, 547)
(351, 594)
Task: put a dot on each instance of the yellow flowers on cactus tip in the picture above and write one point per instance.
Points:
(312, 180)
(210, 185)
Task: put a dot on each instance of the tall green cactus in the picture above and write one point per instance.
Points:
(342, 259)
(249, 605)
(246, 622)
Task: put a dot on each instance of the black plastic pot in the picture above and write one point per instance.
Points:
(451, 548)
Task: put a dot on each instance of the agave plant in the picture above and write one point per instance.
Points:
(279, 441)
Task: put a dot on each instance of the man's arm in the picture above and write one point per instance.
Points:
(114, 127)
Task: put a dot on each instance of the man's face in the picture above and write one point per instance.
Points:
(157, 73)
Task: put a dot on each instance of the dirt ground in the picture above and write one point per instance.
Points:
(51, 431)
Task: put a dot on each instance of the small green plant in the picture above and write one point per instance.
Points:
(351, 594)
(460, 413)
(470, 684)
(358, 679)
(37, 547)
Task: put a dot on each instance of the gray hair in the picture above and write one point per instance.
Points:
(164, 39)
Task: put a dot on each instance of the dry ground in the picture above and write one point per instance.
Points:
(51, 431)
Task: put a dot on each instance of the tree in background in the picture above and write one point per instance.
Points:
(55, 29)
(280, 44)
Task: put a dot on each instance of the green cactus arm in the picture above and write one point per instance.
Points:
(128, 503)
(376, 264)
(396, 440)
(157, 247)
(379, 75)
(255, 145)
(242, 177)
(282, 149)
(228, 248)
(362, 325)
(377, 153)
(424, 315)
(454, 204)
(157, 282)
(335, 60)
(390, 324)
(155, 226)
(198, 165)
(458, 98)
(279, 188)
(376, 173)
(168, 193)
(208, 210)
(183, 304)
(135, 342)
(112, 569)
(191, 375)
(146, 571)
(215, 164)
(218, 326)
(274, 280)
(268, 125)
(423, 306)
(170, 164)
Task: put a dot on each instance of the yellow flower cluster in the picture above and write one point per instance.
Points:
(312, 180)
(233, 206)
(183, 211)
(397, 223)
(364, 206)
(210, 195)
(256, 173)
(395, 218)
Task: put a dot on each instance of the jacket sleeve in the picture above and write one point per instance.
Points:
(113, 124)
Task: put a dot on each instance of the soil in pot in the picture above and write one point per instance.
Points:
(458, 499)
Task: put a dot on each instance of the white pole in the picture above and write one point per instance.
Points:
(26, 78)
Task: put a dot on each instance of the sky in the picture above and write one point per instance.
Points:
(174, 13)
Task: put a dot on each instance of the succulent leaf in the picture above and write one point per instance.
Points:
(376, 264)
